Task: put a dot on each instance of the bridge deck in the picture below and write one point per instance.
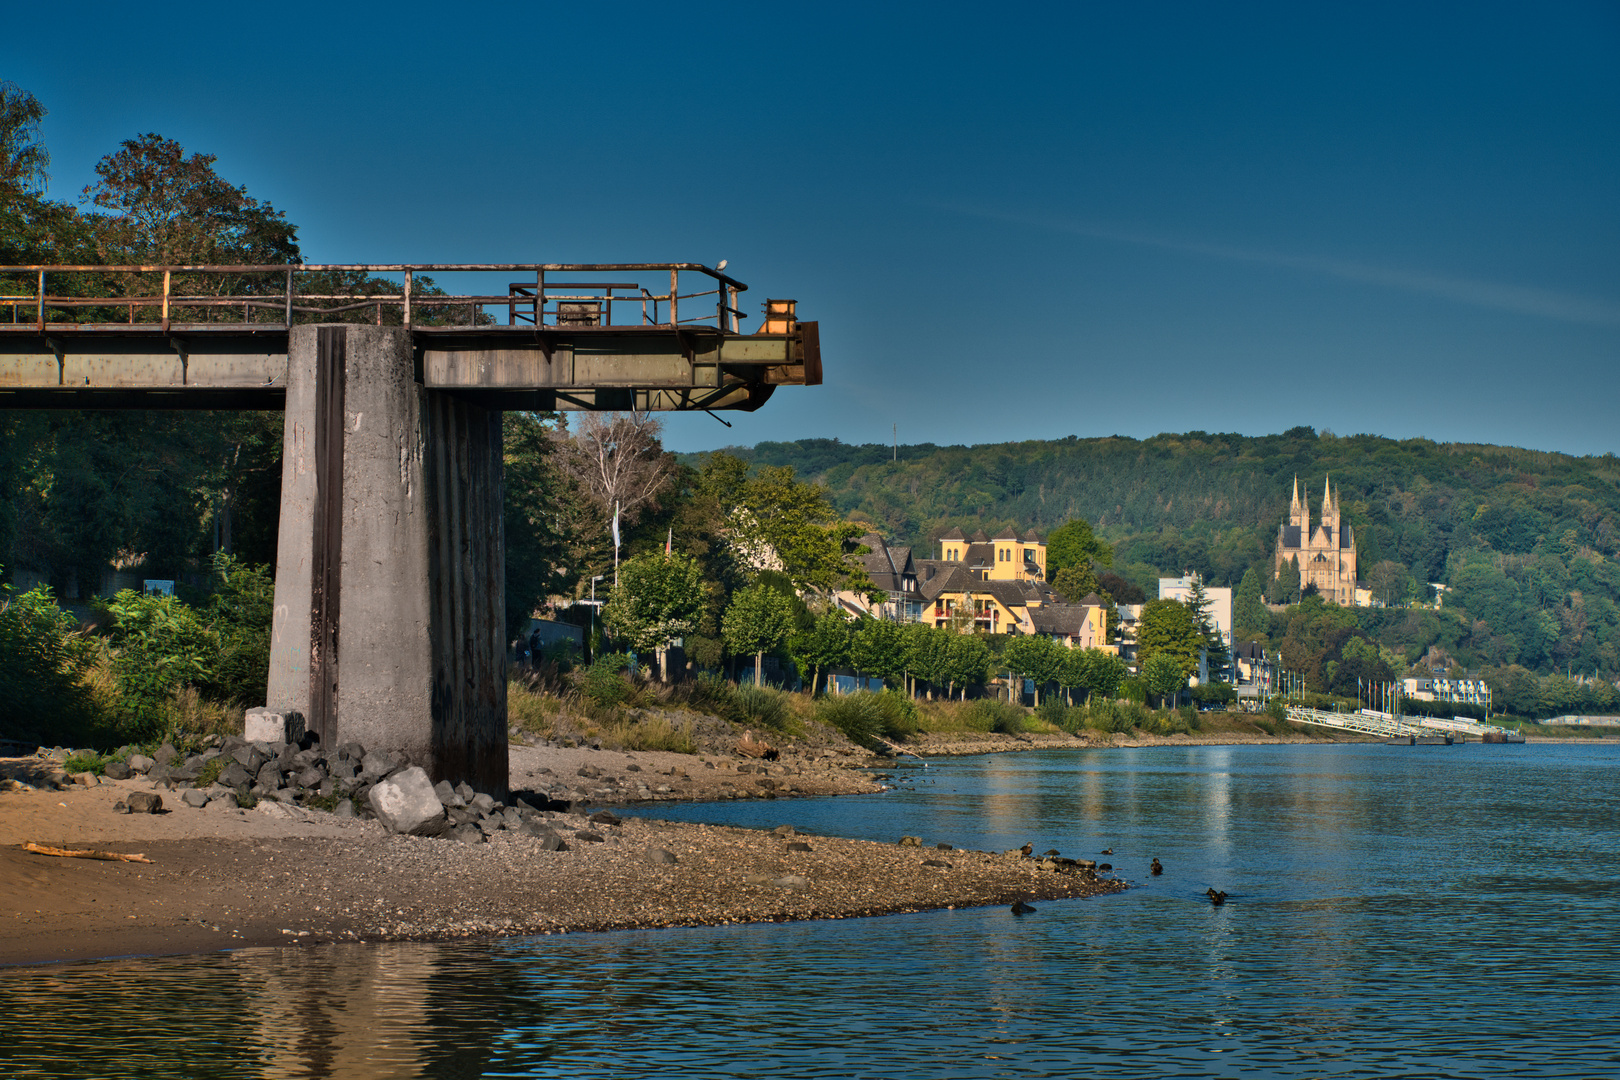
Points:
(558, 347)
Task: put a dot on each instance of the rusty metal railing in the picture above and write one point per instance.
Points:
(34, 299)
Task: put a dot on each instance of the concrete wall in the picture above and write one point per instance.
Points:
(390, 612)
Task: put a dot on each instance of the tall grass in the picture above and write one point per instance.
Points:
(867, 717)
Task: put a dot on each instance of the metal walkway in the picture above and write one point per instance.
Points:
(1382, 724)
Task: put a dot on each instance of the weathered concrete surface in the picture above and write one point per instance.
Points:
(389, 612)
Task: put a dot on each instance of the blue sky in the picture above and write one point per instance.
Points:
(1011, 222)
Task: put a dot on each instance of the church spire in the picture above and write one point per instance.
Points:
(1297, 512)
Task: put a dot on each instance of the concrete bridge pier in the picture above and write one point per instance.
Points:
(390, 574)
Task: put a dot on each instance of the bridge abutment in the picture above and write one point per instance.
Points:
(390, 575)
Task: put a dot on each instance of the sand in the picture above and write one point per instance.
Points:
(229, 878)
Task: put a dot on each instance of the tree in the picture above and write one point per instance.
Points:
(1036, 657)
(538, 523)
(967, 662)
(1388, 581)
(1105, 673)
(1075, 583)
(824, 645)
(170, 209)
(1123, 592)
(1285, 586)
(758, 620)
(23, 158)
(1163, 675)
(878, 649)
(658, 598)
(1249, 614)
(1167, 627)
(618, 463)
(1074, 544)
(927, 651)
(1216, 656)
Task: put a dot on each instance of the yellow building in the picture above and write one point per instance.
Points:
(1006, 558)
(1326, 552)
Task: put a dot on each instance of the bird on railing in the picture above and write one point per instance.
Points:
(721, 265)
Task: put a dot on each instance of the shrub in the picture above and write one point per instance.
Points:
(867, 716)
(85, 761)
(239, 614)
(603, 683)
(762, 705)
(992, 714)
(1054, 712)
(159, 647)
(43, 662)
(648, 733)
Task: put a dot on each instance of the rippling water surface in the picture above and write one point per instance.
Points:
(1394, 911)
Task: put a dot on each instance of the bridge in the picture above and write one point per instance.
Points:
(390, 573)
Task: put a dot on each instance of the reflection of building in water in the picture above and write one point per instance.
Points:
(345, 1011)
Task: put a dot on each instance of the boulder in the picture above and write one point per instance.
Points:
(466, 792)
(195, 798)
(467, 834)
(911, 841)
(406, 801)
(351, 751)
(798, 845)
(791, 881)
(140, 763)
(116, 770)
(272, 726)
(447, 794)
(235, 776)
(661, 856)
(604, 817)
(166, 754)
(310, 777)
(344, 809)
(588, 836)
(249, 757)
(482, 803)
(144, 802)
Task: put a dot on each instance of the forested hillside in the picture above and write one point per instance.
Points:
(1526, 540)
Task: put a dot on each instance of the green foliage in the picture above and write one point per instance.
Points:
(1284, 588)
(878, 649)
(83, 761)
(759, 620)
(209, 773)
(659, 598)
(604, 684)
(43, 662)
(1163, 674)
(1075, 583)
(159, 646)
(1035, 657)
(993, 714)
(1249, 614)
(825, 644)
(967, 662)
(867, 716)
(1167, 627)
(239, 614)
(1073, 544)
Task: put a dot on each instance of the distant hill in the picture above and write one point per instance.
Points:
(1213, 502)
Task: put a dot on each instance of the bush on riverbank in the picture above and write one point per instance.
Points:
(150, 669)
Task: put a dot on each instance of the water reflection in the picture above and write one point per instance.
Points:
(1391, 915)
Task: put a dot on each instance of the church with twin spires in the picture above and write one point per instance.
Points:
(1326, 553)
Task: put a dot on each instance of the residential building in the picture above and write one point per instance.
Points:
(1465, 691)
(1002, 581)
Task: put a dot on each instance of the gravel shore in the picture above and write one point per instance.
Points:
(227, 878)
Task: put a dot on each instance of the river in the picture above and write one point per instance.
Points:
(1392, 911)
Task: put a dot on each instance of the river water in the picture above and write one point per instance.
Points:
(1393, 912)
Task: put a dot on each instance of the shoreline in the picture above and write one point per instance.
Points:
(226, 878)
(288, 876)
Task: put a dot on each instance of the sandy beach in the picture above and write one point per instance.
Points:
(226, 877)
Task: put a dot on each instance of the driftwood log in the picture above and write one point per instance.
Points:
(750, 747)
(84, 853)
